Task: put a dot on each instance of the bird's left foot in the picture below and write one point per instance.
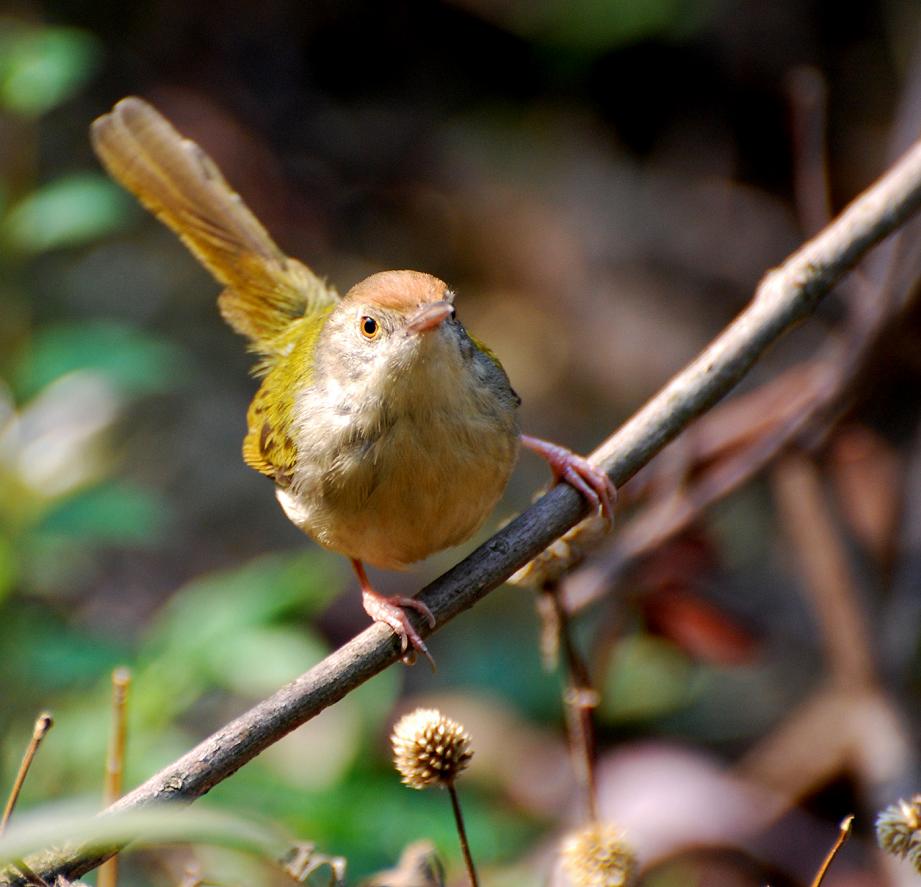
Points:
(578, 472)
(392, 611)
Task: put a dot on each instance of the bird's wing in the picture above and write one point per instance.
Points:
(178, 182)
(269, 445)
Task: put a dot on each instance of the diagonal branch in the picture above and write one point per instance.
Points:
(786, 295)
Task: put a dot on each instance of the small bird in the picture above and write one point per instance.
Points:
(389, 432)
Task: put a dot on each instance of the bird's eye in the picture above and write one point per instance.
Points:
(453, 312)
(369, 327)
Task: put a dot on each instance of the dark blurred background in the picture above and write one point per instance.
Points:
(603, 184)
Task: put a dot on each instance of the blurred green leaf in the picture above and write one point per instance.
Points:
(49, 827)
(261, 660)
(590, 27)
(375, 700)
(739, 703)
(136, 362)
(497, 654)
(322, 752)
(68, 211)
(187, 649)
(9, 566)
(41, 67)
(45, 653)
(54, 567)
(373, 813)
(111, 513)
(646, 677)
(257, 593)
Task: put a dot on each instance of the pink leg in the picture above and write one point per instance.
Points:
(389, 610)
(578, 472)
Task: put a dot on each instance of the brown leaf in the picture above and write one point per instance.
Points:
(698, 627)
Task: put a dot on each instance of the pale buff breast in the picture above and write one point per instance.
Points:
(426, 483)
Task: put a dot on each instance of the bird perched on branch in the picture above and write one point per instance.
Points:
(389, 432)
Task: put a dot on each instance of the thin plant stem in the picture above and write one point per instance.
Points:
(579, 699)
(843, 834)
(43, 724)
(115, 762)
(808, 95)
(30, 876)
(462, 834)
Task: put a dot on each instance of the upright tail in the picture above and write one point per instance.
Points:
(180, 184)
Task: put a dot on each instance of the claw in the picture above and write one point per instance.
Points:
(391, 611)
(578, 472)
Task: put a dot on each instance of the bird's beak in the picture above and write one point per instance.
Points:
(429, 316)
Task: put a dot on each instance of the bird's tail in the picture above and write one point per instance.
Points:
(180, 184)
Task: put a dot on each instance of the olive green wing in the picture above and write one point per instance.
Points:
(269, 445)
(180, 184)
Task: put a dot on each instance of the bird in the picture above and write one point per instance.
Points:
(388, 430)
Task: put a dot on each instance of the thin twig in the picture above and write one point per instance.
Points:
(115, 763)
(31, 877)
(462, 834)
(826, 575)
(786, 296)
(580, 699)
(844, 831)
(807, 91)
(43, 724)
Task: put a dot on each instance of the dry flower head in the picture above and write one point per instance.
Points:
(898, 830)
(598, 855)
(429, 748)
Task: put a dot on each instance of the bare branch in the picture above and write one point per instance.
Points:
(786, 296)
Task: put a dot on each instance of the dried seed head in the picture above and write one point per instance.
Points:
(914, 855)
(597, 855)
(898, 830)
(429, 749)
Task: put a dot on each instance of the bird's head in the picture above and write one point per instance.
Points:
(394, 334)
